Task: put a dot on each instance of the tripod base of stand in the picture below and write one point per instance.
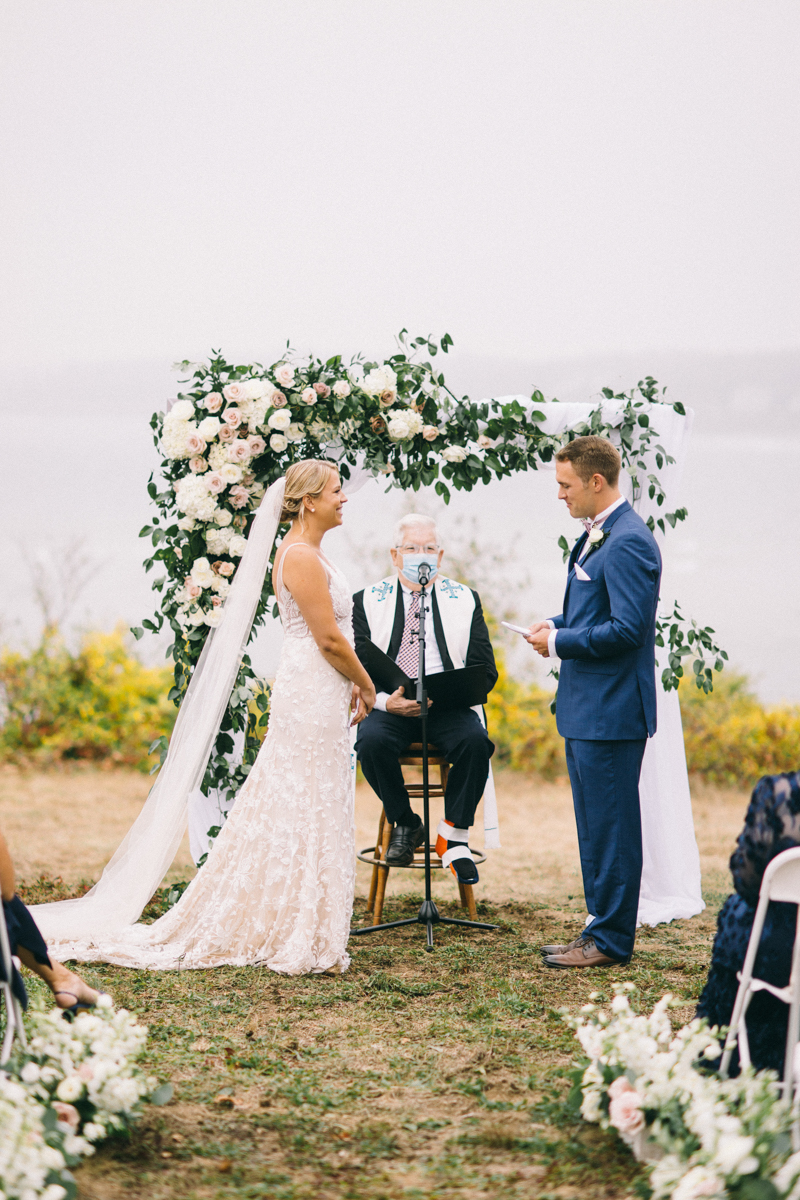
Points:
(429, 916)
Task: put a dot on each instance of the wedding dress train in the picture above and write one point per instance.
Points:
(277, 887)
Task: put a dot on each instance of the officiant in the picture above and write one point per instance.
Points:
(456, 636)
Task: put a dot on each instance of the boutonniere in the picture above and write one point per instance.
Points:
(596, 539)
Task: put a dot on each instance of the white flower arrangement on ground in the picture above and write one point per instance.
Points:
(703, 1136)
(76, 1083)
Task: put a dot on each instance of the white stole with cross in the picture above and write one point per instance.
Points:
(456, 605)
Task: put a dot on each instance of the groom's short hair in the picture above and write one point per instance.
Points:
(590, 456)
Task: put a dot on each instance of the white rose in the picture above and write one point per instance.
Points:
(94, 1132)
(29, 1073)
(218, 540)
(454, 454)
(595, 535)
(209, 427)
(295, 433)
(403, 423)
(237, 547)
(284, 373)
(70, 1088)
(201, 573)
(379, 380)
(182, 410)
(281, 419)
(231, 473)
(223, 518)
(213, 618)
(341, 389)
(220, 586)
(257, 389)
(198, 617)
(278, 442)
(309, 396)
(732, 1153)
(187, 524)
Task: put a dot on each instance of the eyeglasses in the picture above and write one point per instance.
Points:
(431, 548)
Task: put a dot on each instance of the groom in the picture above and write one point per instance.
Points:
(606, 705)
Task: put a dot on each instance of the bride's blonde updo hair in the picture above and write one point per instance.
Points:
(307, 478)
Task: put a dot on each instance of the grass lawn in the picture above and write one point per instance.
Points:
(413, 1075)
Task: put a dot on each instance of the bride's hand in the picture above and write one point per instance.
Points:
(361, 703)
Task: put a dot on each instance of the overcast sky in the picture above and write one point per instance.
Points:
(536, 178)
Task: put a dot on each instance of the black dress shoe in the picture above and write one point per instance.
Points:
(403, 843)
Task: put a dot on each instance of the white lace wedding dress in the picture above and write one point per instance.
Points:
(277, 887)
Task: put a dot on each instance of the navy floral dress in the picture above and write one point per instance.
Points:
(772, 824)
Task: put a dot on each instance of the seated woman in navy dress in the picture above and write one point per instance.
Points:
(26, 943)
(772, 824)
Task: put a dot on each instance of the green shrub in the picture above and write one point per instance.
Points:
(99, 705)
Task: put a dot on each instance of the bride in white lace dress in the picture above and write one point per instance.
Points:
(277, 887)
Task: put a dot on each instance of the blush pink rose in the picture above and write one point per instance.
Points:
(86, 1072)
(284, 374)
(67, 1113)
(239, 496)
(619, 1087)
(239, 451)
(213, 402)
(193, 590)
(215, 483)
(197, 465)
(234, 392)
(322, 390)
(215, 600)
(278, 400)
(308, 396)
(227, 433)
(257, 446)
(224, 569)
(430, 433)
(232, 417)
(484, 442)
(625, 1113)
(195, 444)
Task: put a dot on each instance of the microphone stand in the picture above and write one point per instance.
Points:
(428, 914)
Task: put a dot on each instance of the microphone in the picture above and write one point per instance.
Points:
(424, 574)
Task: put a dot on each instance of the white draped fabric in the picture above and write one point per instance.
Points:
(671, 871)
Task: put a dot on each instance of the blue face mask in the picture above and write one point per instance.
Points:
(413, 562)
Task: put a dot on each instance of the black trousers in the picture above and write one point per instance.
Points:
(459, 736)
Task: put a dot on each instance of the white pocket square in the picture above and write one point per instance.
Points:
(581, 574)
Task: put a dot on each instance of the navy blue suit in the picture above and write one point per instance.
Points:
(606, 710)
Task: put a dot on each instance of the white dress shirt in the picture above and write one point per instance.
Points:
(433, 659)
(598, 524)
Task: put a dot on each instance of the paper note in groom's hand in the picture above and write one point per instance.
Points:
(446, 689)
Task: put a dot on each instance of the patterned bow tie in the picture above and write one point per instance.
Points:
(587, 524)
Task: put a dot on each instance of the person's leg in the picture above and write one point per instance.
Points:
(382, 738)
(462, 739)
(584, 842)
(67, 987)
(610, 782)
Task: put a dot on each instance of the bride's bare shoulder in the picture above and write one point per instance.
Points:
(303, 561)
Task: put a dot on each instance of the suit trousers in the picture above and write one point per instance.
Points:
(460, 738)
(605, 791)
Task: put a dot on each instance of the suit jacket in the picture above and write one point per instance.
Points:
(479, 649)
(606, 640)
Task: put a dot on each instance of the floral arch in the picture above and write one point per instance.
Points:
(235, 429)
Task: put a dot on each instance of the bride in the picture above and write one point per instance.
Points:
(277, 886)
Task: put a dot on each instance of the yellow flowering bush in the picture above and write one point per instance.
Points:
(522, 727)
(99, 705)
(733, 739)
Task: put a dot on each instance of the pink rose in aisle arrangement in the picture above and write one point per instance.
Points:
(227, 433)
(278, 400)
(234, 392)
(625, 1113)
(215, 483)
(66, 1113)
(308, 396)
(197, 465)
(213, 402)
(195, 444)
(239, 496)
(224, 569)
(284, 375)
(232, 417)
(239, 451)
(322, 390)
(430, 433)
(257, 446)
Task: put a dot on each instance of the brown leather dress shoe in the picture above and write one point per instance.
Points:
(545, 950)
(585, 954)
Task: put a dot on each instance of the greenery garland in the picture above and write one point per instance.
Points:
(235, 429)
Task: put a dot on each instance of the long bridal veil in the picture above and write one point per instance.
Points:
(146, 852)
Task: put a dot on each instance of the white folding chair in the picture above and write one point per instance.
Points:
(781, 882)
(14, 1025)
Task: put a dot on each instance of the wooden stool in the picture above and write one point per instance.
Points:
(374, 854)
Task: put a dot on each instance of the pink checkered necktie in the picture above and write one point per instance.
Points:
(408, 654)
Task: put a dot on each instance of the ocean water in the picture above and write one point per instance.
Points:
(74, 484)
